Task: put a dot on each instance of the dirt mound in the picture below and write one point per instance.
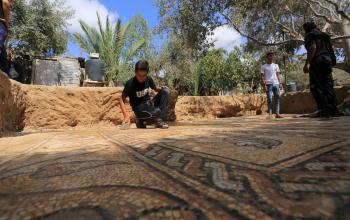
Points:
(303, 102)
(50, 107)
(191, 107)
(12, 105)
(56, 107)
(345, 105)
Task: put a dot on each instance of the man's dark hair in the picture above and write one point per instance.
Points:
(309, 26)
(142, 65)
(270, 54)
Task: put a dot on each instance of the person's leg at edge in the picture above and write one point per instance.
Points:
(330, 98)
(276, 94)
(269, 98)
(316, 91)
(3, 54)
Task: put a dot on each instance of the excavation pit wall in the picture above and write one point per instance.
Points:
(211, 107)
(28, 107)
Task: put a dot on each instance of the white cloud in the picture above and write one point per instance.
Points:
(86, 10)
(225, 37)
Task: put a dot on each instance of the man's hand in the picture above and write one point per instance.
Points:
(281, 86)
(126, 120)
(265, 87)
(160, 88)
(306, 68)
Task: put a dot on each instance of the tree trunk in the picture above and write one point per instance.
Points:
(346, 45)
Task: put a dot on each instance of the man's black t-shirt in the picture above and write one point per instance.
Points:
(138, 92)
(323, 44)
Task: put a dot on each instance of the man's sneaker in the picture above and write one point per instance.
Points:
(140, 124)
(162, 125)
(336, 114)
(320, 114)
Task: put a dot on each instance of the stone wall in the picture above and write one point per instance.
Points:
(63, 72)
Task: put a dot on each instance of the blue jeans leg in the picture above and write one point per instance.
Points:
(269, 97)
(276, 94)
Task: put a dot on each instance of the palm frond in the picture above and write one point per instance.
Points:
(133, 49)
(112, 43)
(92, 36)
(83, 43)
(99, 22)
(119, 35)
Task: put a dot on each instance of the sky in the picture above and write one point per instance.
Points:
(224, 37)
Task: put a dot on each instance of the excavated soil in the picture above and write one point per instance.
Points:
(49, 107)
(43, 107)
(303, 102)
(194, 108)
(191, 107)
(56, 107)
(12, 105)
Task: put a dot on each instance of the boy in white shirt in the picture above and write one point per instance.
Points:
(271, 78)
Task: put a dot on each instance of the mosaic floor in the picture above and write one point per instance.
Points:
(242, 168)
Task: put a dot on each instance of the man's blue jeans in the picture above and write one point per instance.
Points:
(4, 65)
(273, 89)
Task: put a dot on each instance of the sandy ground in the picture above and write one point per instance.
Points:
(236, 168)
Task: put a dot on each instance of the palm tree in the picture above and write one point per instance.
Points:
(113, 44)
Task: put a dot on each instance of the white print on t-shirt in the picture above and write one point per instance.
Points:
(143, 93)
(269, 72)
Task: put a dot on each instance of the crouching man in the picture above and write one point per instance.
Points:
(147, 110)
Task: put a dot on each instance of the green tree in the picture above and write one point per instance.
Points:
(175, 64)
(39, 27)
(212, 73)
(117, 46)
(220, 72)
(263, 22)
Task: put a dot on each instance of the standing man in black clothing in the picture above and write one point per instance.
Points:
(4, 24)
(319, 63)
(138, 89)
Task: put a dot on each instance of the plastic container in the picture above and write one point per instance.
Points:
(291, 87)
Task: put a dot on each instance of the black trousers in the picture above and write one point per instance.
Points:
(157, 107)
(4, 65)
(322, 87)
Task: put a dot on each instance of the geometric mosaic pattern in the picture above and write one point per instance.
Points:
(241, 168)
